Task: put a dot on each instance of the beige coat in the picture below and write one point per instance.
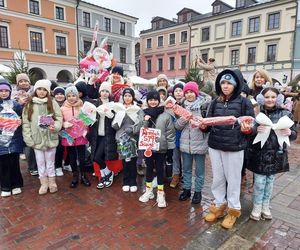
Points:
(209, 71)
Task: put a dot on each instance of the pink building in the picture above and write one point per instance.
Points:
(165, 47)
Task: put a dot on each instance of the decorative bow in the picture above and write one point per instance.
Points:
(283, 123)
(121, 111)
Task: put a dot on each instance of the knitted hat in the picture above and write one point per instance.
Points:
(58, 90)
(162, 89)
(229, 78)
(81, 87)
(22, 76)
(129, 91)
(160, 77)
(193, 86)
(176, 86)
(71, 89)
(44, 83)
(153, 94)
(4, 85)
(105, 86)
(118, 69)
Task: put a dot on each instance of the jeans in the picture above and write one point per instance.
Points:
(188, 171)
(30, 158)
(263, 188)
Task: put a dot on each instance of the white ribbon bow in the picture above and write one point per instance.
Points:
(283, 123)
(106, 110)
(121, 111)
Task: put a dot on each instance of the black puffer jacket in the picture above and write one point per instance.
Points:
(270, 159)
(229, 137)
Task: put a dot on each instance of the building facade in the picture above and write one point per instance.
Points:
(296, 62)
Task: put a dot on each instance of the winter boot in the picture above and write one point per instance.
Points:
(52, 184)
(148, 195)
(84, 180)
(161, 199)
(175, 181)
(265, 212)
(230, 219)
(215, 212)
(197, 197)
(256, 212)
(74, 182)
(44, 185)
(185, 195)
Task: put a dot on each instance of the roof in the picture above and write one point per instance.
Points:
(187, 10)
(219, 1)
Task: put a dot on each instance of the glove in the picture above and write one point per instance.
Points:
(170, 155)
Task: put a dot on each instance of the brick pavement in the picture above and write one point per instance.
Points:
(87, 218)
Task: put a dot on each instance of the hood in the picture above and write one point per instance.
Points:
(237, 74)
(4, 82)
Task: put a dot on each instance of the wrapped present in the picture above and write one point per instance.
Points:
(117, 90)
(88, 113)
(218, 120)
(126, 147)
(170, 103)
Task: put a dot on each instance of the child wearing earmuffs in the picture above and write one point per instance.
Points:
(272, 158)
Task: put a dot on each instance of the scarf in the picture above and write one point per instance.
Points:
(154, 113)
(121, 111)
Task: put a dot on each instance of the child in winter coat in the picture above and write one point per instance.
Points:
(193, 142)
(270, 159)
(155, 117)
(128, 121)
(70, 110)
(43, 140)
(226, 147)
(10, 147)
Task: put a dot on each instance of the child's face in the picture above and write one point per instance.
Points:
(128, 99)
(227, 88)
(41, 92)
(178, 94)
(23, 84)
(162, 83)
(162, 95)
(4, 94)
(59, 97)
(190, 96)
(270, 99)
(104, 94)
(152, 103)
(259, 80)
(72, 98)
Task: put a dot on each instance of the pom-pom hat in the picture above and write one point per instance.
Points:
(192, 86)
(44, 83)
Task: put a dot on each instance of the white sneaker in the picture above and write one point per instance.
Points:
(256, 212)
(133, 189)
(126, 188)
(154, 182)
(67, 168)
(59, 172)
(16, 191)
(148, 195)
(23, 157)
(161, 199)
(5, 194)
(265, 212)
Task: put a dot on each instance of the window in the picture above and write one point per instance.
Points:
(172, 39)
(216, 9)
(86, 46)
(3, 37)
(160, 64)
(240, 3)
(235, 57)
(122, 55)
(122, 28)
(205, 34)
(59, 13)
(184, 17)
(149, 43)
(36, 41)
(160, 41)
(61, 46)
(236, 29)
(253, 24)
(183, 62)
(86, 19)
(149, 66)
(1, 3)
(251, 54)
(34, 7)
(107, 24)
(271, 53)
(204, 57)
(273, 21)
(172, 63)
(183, 38)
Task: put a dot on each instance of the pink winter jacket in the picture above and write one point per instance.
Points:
(70, 111)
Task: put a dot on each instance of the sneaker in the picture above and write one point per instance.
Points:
(22, 157)
(265, 212)
(148, 195)
(109, 179)
(34, 172)
(101, 185)
(256, 212)
(16, 191)
(161, 199)
(67, 168)
(59, 172)
(133, 189)
(175, 181)
(5, 194)
(126, 188)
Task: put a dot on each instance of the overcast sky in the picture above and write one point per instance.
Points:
(144, 10)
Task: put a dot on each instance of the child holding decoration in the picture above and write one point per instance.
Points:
(43, 139)
(273, 129)
(11, 142)
(193, 142)
(155, 117)
(226, 146)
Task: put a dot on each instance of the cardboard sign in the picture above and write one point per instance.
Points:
(148, 139)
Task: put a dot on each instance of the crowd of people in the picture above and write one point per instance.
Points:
(45, 113)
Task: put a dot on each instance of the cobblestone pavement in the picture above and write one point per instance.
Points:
(88, 218)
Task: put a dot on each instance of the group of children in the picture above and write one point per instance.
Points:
(182, 139)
